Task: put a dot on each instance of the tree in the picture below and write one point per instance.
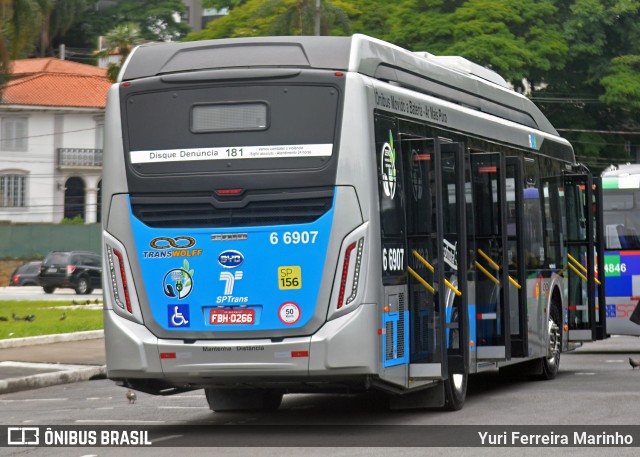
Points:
(219, 4)
(598, 89)
(517, 38)
(622, 85)
(58, 18)
(121, 40)
(158, 20)
(279, 17)
(20, 22)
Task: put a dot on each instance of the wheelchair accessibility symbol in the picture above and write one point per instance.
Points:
(178, 315)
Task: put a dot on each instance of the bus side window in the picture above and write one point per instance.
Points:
(628, 237)
(612, 237)
(533, 229)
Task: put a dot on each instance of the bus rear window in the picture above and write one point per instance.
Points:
(229, 117)
(229, 128)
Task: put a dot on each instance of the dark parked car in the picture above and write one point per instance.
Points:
(26, 274)
(78, 270)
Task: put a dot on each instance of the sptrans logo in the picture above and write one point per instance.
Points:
(389, 171)
(231, 259)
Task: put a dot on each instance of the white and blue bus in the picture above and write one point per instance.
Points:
(621, 213)
(320, 214)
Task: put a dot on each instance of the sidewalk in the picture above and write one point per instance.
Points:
(31, 363)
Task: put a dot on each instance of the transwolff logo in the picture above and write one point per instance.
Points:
(231, 259)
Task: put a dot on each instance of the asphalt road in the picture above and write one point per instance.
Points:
(595, 387)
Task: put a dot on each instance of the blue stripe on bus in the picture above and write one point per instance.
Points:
(203, 279)
(619, 286)
(631, 260)
(396, 356)
(471, 307)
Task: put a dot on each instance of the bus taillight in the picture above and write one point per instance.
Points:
(345, 272)
(119, 289)
(358, 246)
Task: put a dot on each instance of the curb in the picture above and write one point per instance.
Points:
(70, 375)
(47, 339)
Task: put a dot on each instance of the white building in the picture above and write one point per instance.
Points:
(51, 137)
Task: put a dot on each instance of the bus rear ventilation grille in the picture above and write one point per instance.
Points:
(259, 213)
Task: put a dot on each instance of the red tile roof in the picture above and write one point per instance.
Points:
(54, 82)
(51, 65)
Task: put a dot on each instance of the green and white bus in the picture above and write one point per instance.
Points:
(621, 213)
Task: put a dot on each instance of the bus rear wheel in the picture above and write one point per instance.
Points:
(455, 391)
(551, 363)
(243, 399)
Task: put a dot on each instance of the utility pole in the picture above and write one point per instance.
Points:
(317, 18)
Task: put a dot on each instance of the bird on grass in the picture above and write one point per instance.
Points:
(15, 318)
(4, 318)
(634, 363)
(63, 317)
(30, 318)
(131, 396)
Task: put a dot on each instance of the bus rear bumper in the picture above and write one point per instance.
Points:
(344, 348)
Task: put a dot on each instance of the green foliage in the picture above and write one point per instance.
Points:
(597, 88)
(580, 56)
(58, 18)
(517, 38)
(156, 18)
(279, 17)
(48, 318)
(64, 14)
(78, 220)
(372, 17)
(121, 39)
(622, 84)
(20, 22)
(219, 4)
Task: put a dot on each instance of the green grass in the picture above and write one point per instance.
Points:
(47, 318)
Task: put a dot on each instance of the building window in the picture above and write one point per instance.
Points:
(12, 190)
(14, 134)
(74, 198)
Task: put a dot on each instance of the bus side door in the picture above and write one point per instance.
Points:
(435, 220)
(515, 253)
(489, 263)
(580, 268)
(425, 275)
(454, 262)
(599, 240)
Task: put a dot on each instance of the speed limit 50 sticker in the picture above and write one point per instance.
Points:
(289, 313)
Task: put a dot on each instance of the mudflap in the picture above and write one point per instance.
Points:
(432, 397)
